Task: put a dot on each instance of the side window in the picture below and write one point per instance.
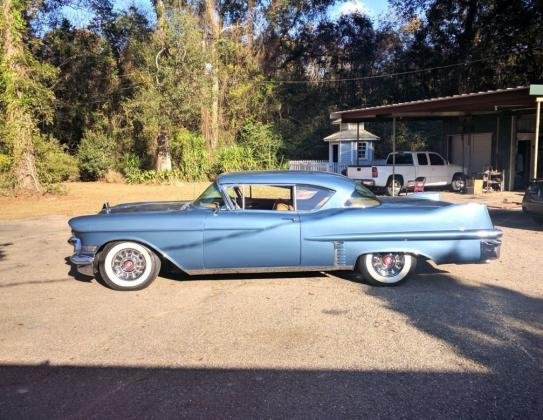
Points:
(422, 158)
(311, 197)
(436, 159)
(401, 159)
(265, 197)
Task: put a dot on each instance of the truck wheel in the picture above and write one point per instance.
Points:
(458, 183)
(394, 186)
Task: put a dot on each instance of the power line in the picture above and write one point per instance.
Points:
(384, 75)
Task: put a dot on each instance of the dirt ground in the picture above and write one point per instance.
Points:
(456, 341)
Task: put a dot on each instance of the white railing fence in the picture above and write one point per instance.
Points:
(315, 165)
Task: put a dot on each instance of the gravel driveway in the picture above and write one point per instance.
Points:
(454, 341)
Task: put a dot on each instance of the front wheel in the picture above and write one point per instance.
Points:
(386, 268)
(128, 266)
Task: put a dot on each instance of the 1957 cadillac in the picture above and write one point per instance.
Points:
(281, 221)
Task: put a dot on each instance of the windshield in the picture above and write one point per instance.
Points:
(362, 197)
(210, 198)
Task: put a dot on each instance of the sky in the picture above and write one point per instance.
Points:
(372, 8)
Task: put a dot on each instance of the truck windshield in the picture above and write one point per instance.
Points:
(210, 198)
(362, 197)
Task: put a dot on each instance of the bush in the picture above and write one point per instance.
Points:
(190, 156)
(154, 177)
(53, 163)
(235, 158)
(96, 155)
(262, 141)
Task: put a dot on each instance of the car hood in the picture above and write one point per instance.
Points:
(144, 207)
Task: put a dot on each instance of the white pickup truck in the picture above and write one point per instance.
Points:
(408, 167)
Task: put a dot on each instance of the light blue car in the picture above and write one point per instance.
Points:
(281, 221)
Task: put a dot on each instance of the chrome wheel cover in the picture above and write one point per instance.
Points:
(388, 264)
(128, 264)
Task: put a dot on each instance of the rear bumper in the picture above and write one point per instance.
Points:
(490, 249)
(84, 263)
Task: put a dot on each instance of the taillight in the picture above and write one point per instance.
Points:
(374, 171)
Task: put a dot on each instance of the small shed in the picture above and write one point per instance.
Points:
(351, 145)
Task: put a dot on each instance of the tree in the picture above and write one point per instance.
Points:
(25, 100)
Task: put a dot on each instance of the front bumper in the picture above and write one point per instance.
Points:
(490, 249)
(83, 262)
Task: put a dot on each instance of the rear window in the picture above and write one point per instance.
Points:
(309, 197)
(362, 197)
(401, 159)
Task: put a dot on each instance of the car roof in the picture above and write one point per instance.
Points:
(323, 179)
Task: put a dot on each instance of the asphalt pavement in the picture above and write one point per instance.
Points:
(456, 341)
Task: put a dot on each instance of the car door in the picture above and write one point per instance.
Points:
(439, 171)
(254, 236)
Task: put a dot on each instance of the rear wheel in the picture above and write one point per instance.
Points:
(386, 268)
(394, 186)
(458, 183)
(128, 266)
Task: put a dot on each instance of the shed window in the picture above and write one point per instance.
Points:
(361, 150)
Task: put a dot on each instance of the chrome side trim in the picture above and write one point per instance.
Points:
(340, 258)
(412, 236)
(256, 270)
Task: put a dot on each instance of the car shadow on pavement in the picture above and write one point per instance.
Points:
(76, 274)
(515, 219)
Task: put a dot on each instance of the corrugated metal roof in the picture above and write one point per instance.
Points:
(483, 101)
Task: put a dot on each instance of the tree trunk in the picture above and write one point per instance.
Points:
(214, 26)
(19, 125)
(163, 158)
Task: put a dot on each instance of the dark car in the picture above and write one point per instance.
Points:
(532, 203)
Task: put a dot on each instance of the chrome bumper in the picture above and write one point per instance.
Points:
(490, 249)
(84, 263)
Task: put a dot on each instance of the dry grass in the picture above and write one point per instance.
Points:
(88, 197)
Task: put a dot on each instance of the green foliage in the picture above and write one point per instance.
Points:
(130, 166)
(95, 155)
(154, 177)
(53, 164)
(235, 158)
(190, 156)
(262, 141)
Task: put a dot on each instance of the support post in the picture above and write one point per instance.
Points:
(536, 142)
(357, 140)
(393, 156)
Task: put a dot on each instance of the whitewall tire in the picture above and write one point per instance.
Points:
(128, 266)
(386, 268)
